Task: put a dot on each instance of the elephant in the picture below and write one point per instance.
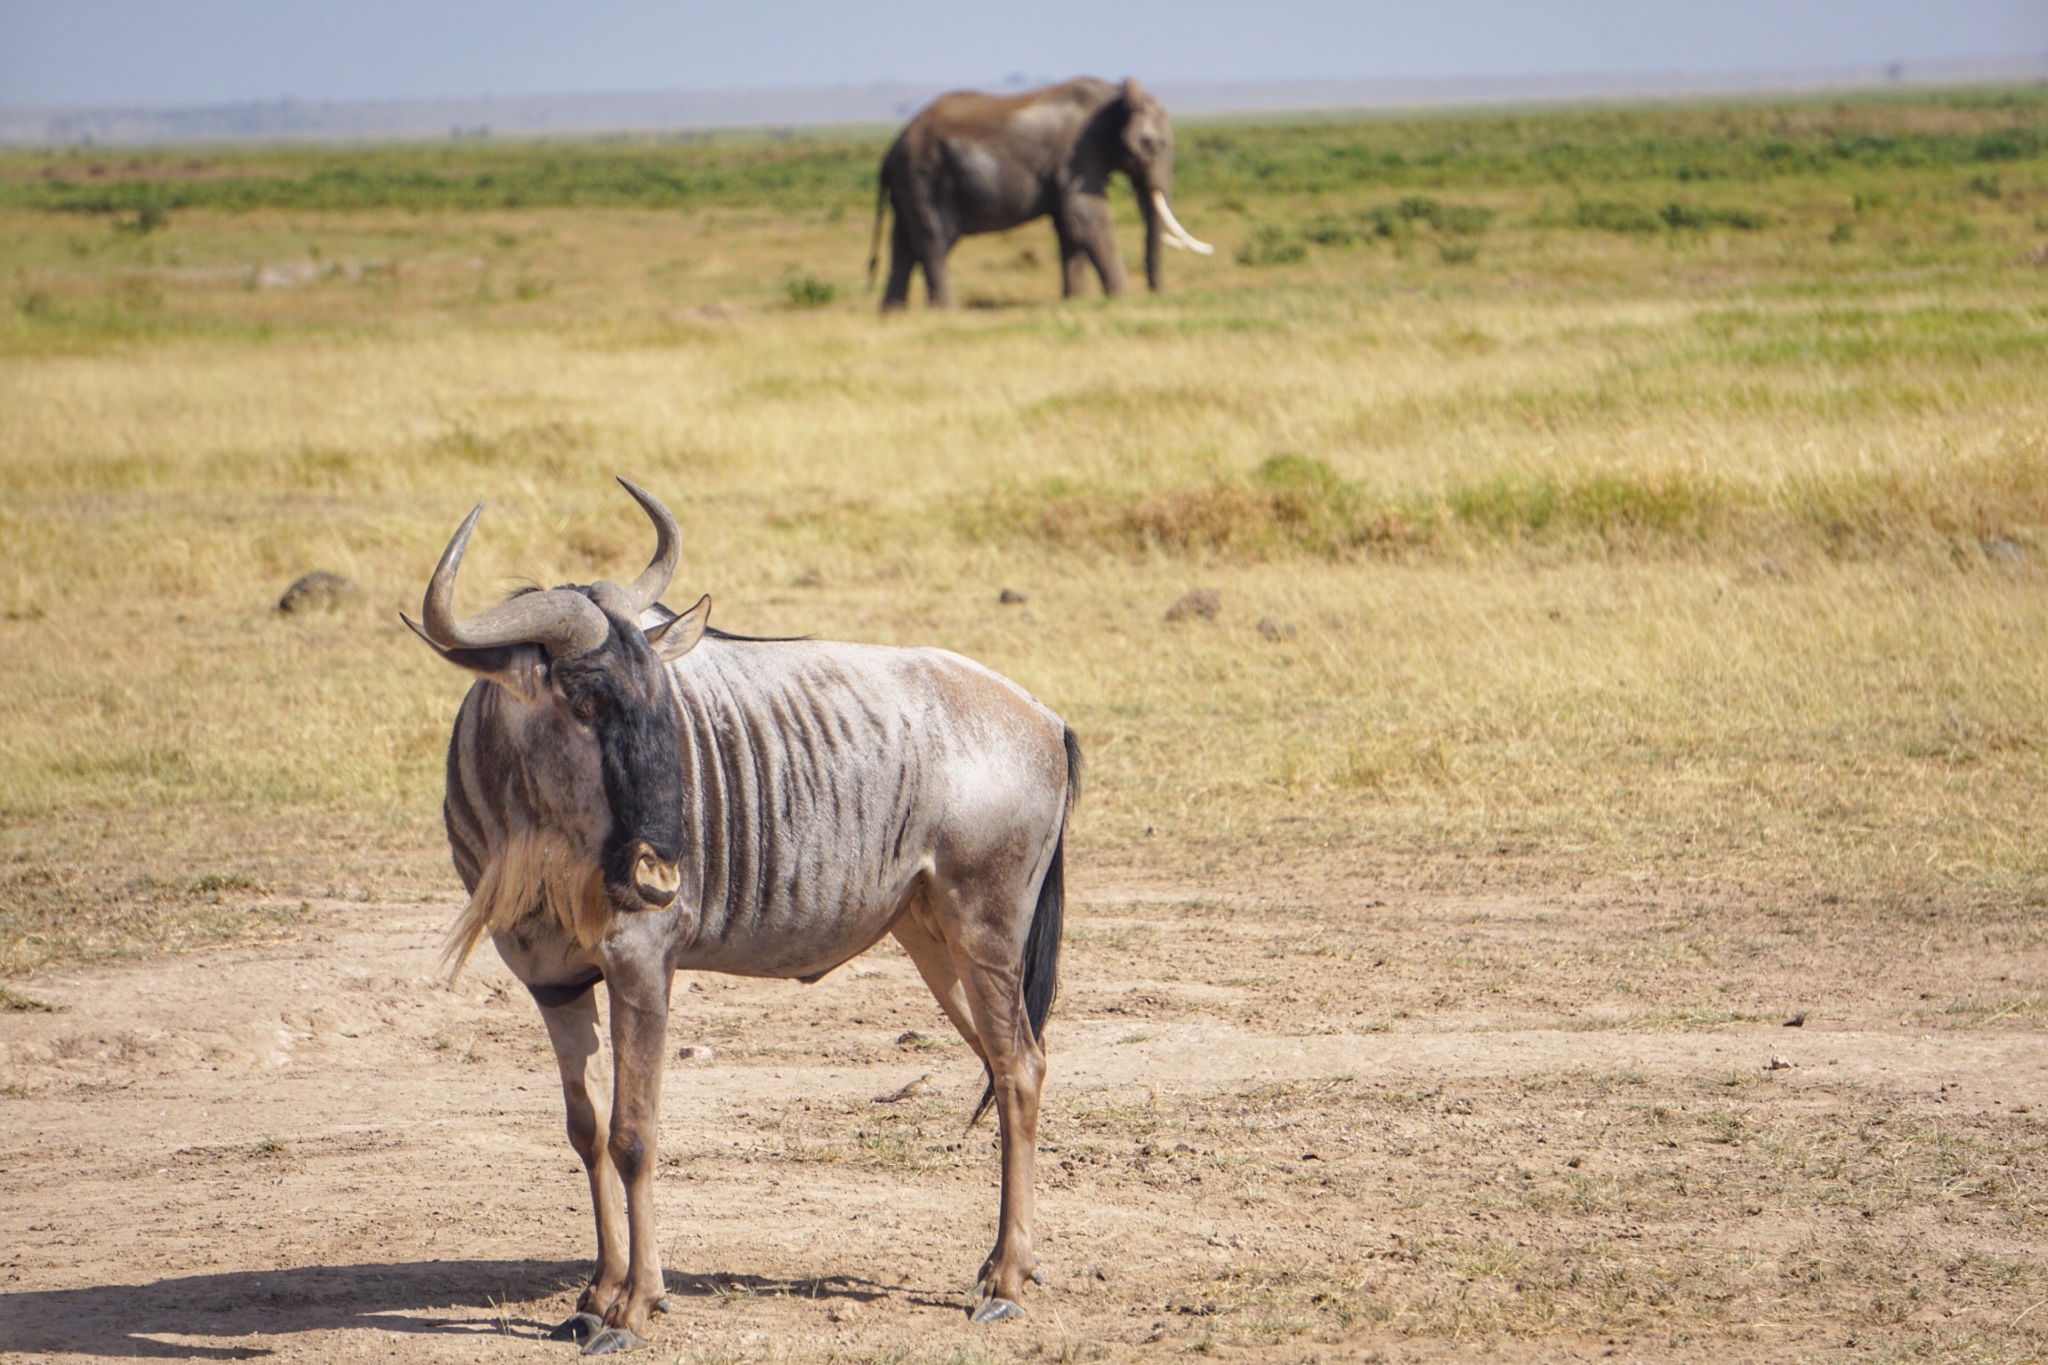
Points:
(971, 162)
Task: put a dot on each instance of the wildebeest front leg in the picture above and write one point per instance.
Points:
(573, 1030)
(639, 1000)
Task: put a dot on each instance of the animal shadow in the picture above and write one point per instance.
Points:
(125, 1321)
(821, 1288)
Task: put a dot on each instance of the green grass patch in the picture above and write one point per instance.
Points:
(1295, 504)
(1988, 132)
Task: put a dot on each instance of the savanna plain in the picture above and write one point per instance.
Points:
(1567, 883)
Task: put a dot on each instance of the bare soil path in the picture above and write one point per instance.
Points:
(1317, 1125)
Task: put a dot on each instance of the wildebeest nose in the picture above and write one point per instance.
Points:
(654, 878)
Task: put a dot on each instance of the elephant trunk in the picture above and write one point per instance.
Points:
(1155, 233)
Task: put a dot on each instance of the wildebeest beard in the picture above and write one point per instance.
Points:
(621, 691)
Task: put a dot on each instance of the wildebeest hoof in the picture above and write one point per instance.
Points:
(614, 1341)
(996, 1310)
(577, 1327)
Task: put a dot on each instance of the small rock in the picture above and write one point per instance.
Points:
(318, 591)
(910, 1037)
(1796, 1021)
(1276, 631)
(842, 1312)
(1205, 603)
(1010, 597)
(694, 1052)
(1777, 1064)
(2004, 551)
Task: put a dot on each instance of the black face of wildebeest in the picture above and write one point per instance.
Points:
(619, 692)
(583, 680)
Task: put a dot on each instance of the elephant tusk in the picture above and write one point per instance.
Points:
(1176, 235)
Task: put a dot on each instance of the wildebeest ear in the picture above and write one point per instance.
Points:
(677, 636)
(1134, 93)
(517, 668)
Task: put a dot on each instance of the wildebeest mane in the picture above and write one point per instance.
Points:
(715, 633)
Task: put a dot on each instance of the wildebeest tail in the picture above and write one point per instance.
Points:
(1042, 944)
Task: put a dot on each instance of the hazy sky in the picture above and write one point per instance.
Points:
(98, 52)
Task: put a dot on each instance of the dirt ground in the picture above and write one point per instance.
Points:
(1321, 1118)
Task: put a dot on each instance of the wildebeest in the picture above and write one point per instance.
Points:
(631, 793)
(969, 162)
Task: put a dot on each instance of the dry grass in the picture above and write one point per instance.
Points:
(1705, 553)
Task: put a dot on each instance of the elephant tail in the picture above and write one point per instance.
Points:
(881, 211)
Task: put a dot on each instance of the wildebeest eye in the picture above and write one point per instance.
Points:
(586, 704)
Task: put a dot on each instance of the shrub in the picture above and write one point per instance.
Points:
(1613, 216)
(149, 217)
(1271, 244)
(808, 291)
(1676, 215)
(1330, 230)
(1467, 220)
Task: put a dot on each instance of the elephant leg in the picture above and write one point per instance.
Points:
(902, 260)
(1073, 262)
(938, 285)
(1089, 222)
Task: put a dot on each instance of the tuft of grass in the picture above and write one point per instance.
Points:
(17, 1002)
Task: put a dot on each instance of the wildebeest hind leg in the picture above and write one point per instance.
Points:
(1016, 1064)
(573, 1030)
(935, 964)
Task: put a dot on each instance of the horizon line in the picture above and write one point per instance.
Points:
(290, 118)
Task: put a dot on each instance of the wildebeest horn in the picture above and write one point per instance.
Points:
(1176, 235)
(559, 621)
(668, 547)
